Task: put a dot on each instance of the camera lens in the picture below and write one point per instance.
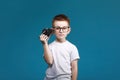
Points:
(47, 31)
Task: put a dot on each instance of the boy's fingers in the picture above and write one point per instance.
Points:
(43, 37)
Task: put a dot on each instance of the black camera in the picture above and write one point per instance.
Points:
(47, 31)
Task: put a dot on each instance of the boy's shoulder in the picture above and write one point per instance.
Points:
(52, 43)
(71, 44)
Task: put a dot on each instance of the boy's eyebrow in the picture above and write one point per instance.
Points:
(60, 26)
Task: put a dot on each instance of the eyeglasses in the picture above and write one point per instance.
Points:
(64, 29)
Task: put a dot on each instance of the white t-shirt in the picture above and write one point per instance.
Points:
(63, 54)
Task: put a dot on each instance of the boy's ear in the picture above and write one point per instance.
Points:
(69, 29)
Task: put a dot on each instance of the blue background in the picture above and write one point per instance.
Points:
(95, 31)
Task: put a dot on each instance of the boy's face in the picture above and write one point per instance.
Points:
(61, 29)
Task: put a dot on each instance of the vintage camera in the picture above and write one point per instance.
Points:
(47, 31)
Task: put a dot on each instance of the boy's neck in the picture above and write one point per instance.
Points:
(60, 40)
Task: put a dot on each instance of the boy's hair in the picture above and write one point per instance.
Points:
(60, 17)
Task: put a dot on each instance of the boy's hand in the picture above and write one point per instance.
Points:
(44, 38)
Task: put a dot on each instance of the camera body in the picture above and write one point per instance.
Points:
(47, 31)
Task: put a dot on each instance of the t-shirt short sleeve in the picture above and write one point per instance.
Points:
(74, 53)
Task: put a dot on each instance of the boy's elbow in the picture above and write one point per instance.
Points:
(50, 62)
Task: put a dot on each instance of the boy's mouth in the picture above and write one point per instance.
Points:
(61, 34)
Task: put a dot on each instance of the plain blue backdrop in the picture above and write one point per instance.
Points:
(95, 31)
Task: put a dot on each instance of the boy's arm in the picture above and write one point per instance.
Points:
(74, 65)
(47, 53)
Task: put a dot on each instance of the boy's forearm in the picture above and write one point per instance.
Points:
(74, 74)
(74, 69)
(47, 54)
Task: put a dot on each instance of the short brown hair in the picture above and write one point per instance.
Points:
(60, 17)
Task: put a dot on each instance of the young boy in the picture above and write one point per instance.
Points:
(61, 55)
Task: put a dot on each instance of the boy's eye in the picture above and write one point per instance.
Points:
(64, 28)
(58, 28)
(61, 27)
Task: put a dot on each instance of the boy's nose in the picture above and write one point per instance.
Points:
(61, 30)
